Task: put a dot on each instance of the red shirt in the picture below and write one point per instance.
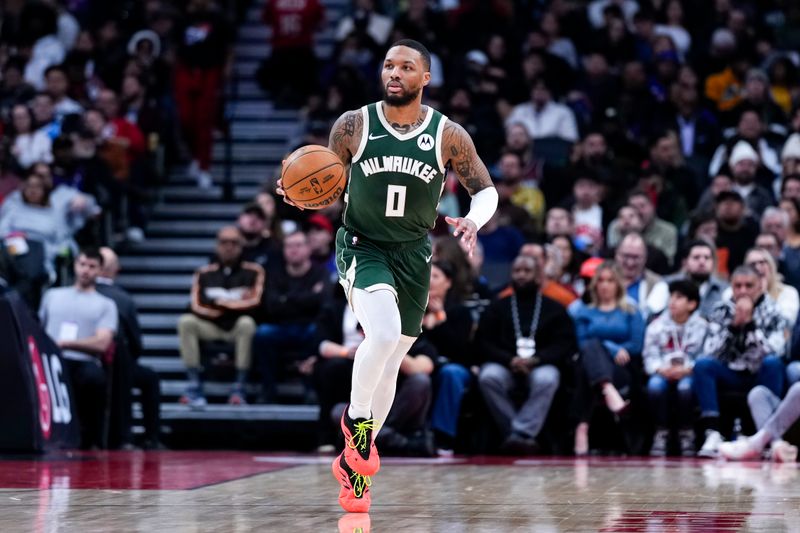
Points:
(293, 22)
(123, 129)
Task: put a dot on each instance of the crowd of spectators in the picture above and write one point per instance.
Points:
(641, 272)
(98, 101)
(646, 158)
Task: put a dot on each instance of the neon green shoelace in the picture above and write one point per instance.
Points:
(359, 439)
(360, 484)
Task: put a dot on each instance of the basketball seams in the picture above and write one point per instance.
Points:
(304, 178)
(329, 169)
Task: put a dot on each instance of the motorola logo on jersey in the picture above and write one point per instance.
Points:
(425, 142)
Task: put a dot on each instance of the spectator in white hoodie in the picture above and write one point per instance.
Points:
(671, 344)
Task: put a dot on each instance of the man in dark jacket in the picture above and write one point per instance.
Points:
(129, 371)
(523, 338)
(224, 295)
(295, 292)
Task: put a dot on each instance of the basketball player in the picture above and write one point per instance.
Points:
(398, 151)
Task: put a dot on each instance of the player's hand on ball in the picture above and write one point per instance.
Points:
(279, 190)
(467, 229)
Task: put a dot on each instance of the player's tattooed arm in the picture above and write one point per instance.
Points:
(460, 155)
(346, 135)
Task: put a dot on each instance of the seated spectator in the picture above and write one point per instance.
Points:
(775, 221)
(743, 164)
(225, 294)
(772, 244)
(448, 325)
(523, 338)
(29, 145)
(751, 130)
(509, 213)
(57, 86)
(629, 221)
(320, 239)
(44, 115)
(671, 344)
(295, 292)
(785, 296)
(790, 184)
(746, 341)
(141, 377)
(698, 267)
(258, 248)
(501, 245)
(83, 324)
(736, 232)
(571, 260)
(543, 117)
(610, 335)
(39, 219)
(791, 246)
(523, 193)
(558, 222)
(548, 275)
(587, 212)
(646, 289)
(773, 417)
(656, 232)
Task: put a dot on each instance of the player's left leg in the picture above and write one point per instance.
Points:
(411, 270)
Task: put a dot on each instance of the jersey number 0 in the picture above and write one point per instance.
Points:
(395, 200)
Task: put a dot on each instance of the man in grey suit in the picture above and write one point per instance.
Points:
(131, 374)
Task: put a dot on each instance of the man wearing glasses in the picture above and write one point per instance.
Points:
(224, 295)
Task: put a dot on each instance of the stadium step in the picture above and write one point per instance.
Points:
(156, 265)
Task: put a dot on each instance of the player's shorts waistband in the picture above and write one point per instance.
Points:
(388, 245)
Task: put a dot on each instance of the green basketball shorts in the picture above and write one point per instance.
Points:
(403, 268)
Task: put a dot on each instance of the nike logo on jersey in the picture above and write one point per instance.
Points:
(373, 137)
(428, 258)
(396, 163)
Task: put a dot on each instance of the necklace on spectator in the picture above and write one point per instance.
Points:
(526, 346)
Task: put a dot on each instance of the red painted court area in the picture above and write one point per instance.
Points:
(130, 470)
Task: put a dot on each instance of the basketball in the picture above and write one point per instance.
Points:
(313, 177)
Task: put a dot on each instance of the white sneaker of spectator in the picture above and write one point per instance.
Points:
(710, 447)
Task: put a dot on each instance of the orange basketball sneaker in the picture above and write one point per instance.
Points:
(359, 446)
(354, 496)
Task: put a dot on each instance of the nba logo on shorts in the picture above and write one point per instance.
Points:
(425, 142)
(316, 186)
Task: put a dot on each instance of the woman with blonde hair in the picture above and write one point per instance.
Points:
(610, 335)
(785, 296)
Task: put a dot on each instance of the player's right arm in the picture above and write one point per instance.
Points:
(346, 135)
(344, 139)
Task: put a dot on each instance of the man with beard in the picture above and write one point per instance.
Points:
(736, 232)
(257, 249)
(398, 152)
(83, 323)
(744, 165)
(524, 337)
(699, 263)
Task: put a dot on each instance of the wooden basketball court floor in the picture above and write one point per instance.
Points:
(221, 491)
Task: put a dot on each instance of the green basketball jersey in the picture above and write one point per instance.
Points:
(396, 179)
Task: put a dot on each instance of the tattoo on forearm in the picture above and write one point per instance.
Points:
(464, 160)
(346, 133)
